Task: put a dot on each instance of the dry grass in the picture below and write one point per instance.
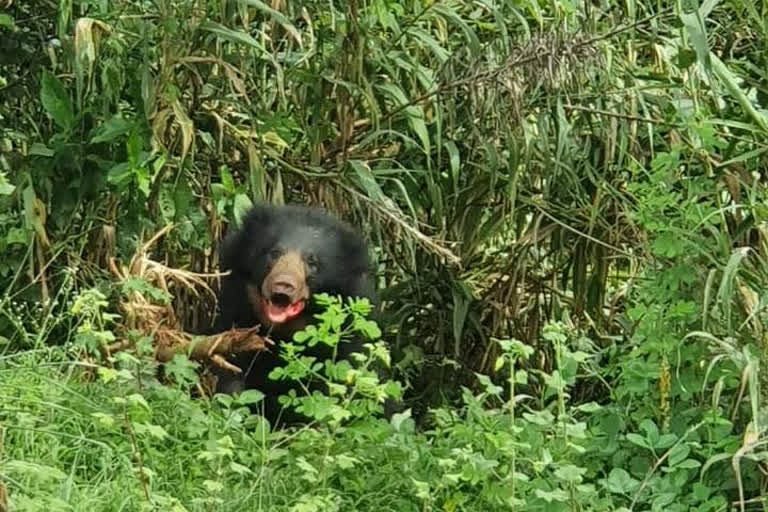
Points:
(150, 318)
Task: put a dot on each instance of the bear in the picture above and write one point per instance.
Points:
(278, 259)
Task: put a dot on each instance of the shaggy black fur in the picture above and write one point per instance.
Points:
(279, 258)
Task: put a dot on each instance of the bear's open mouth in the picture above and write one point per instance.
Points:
(279, 308)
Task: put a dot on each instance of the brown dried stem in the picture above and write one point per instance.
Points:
(143, 315)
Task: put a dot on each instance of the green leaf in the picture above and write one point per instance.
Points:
(36, 472)
(367, 180)
(120, 173)
(694, 25)
(619, 481)
(455, 163)
(462, 298)
(441, 53)
(110, 130)
(557, 495)
(134, 146)
(38, 149)
(155, 431)
(402, 421)
(249, 397)
(449, 13)
(213, 486)
(414, 112)
(665, 441)
(242, 204)
(6, 188)
(56, 101)
(678, 454)
(6, 21)
(227, 181)
(181, 368)
(137, 399)
(689, 464)
(570, 473)
(729, 80)
(302, 336)
(228, 34)
(368, 327)
(589, 407)
(638, 440)
(239, 469)
(278, 17)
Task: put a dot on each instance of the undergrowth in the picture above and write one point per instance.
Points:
(79, 436)
(567, 205)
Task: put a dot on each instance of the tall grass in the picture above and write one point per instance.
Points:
(485, 147)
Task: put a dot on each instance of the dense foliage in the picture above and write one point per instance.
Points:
(568, 207)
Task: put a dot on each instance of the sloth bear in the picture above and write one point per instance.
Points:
(279, 258)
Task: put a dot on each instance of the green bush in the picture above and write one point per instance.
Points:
(587, 179)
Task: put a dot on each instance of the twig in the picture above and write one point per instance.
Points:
(388, 212)
(492, 74)
(628, 117)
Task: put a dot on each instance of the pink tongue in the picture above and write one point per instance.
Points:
(279, 315)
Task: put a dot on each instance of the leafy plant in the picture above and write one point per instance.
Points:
(354, 388)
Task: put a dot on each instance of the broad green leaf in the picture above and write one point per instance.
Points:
(56, 101)
(138, 400)
(556, 495)
(619, 481)
(119, 173)
(398, 419)
(6, 21)
(570, 473)
(638, 440)
(36, 472)
(39, 149)
(242, 204)
(249, 397)
(227, 181)
(6, 188)
(115, 127)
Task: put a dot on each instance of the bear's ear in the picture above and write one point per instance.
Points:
(244, 239)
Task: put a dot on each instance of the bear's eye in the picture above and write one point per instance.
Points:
(312, 263)
(274, 254)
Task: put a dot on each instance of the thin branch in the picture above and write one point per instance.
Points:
(492, 74)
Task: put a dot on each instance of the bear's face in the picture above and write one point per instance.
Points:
(285, 255)
(294, 263)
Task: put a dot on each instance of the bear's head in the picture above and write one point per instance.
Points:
(283, 255)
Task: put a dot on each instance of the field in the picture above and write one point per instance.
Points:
(567, 211)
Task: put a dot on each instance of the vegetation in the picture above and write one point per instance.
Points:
(568, 207)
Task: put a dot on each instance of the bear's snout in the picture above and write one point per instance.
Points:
(286, 282)
(283, 286)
